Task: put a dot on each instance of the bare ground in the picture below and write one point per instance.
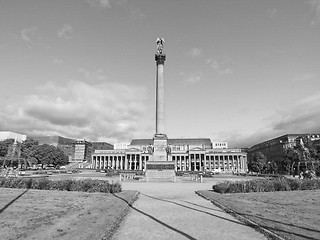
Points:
(41, 214)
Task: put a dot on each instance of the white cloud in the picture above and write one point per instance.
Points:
(29, 34)
(137, 14)
(306, 77)
(103, 111)
(57, 61)
(99, 3)
(134, 12)
(66, 31)
(221, 67)
(195, 52)
(97, 76)
(192, 78)
(302, 116)
(315, 5)
(272, 13)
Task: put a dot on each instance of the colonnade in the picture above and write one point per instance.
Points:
(119, 162)
(213, 162)
(226, 162)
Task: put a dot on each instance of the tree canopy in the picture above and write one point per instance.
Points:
(43, 154)
(4, 146)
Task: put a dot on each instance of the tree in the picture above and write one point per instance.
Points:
(4, 146)
(29, 150)
(303, 156)
(43, 154)
(258, 162)
(48, 154)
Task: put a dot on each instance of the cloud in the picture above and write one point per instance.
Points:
(66, 31)
(195, 52)
(192, 78)
(315, 8)
(57, 61)
(133, 12)
(29, 34)
(106, 3)
(303, 116)
(221, 67)
(77, 109)
(272, 13)
(137, 14)
(96, 76)
(306, 77)
(99, 3)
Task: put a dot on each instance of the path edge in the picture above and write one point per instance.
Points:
(115, 225)
(269, 234)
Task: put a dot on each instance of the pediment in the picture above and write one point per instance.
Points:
(133, 150)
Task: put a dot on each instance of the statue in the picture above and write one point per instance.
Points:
(160, 42)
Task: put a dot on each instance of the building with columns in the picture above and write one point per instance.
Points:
(192, 154)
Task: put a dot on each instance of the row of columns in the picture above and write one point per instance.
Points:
(120, 162)
(202, 162)
(184, 162)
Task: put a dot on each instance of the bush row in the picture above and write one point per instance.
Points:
(267, 185)
(87, 185)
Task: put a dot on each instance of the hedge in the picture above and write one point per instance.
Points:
(267, 185)
(86, 185)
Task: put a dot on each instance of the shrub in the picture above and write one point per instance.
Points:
(267, 185)
(40, 183)
(62, 185)
(87, 185)
(294, 184)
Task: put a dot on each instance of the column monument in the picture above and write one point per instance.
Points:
(160, 165)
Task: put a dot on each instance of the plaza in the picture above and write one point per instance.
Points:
(174, 211)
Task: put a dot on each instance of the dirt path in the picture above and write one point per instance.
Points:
(174, 211)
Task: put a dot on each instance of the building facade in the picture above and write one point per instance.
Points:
(83, 151)
(274, 149)
(195, 154)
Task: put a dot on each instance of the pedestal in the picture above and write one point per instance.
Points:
(160, 145)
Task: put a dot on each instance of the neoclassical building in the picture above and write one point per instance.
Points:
(192, 154)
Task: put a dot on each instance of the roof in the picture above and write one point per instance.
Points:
(292, 135)
(175, 141)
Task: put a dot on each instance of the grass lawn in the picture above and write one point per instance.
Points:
(292, 215)
(41, 214)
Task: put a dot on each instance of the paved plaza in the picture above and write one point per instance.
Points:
(175, 211)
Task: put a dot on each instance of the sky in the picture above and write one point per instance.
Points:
(241, 71)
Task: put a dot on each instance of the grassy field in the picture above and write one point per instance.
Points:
(41, 214)
(292, 215)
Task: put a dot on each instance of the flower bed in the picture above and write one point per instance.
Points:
(86, 185)
(267, 185)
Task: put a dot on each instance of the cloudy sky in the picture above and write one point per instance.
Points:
(240, 71)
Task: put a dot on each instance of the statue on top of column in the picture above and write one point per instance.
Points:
(160, 42)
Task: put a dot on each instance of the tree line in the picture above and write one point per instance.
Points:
(304, 155)
(30, 152)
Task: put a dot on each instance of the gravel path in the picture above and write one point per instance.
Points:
(174, 211)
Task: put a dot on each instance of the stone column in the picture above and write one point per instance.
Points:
(122, 162)
(160, 58)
